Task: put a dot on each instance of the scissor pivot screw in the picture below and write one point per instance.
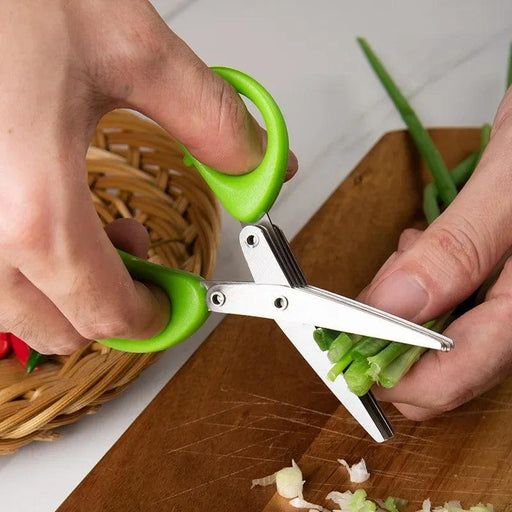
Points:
(218, 298)
(252, 241)
(281, 303)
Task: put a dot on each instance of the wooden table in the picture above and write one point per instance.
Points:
(246, 403)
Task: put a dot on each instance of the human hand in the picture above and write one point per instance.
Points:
(64, 65)
(434, 271)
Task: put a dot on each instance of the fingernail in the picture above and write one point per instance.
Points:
(400, 294)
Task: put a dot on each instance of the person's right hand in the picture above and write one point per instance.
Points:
(435, 270)
(65, 64)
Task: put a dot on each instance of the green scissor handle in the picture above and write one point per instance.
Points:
(249, 196)
(246, 197)
(188, 304)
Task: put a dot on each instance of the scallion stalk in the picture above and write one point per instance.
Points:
(340, 366)
(384, 358)
(460, 174)
(390, 376)
(431, 208)
(361, 350)
(367, 347)
(357, 378)
(424, 143)
(324, 337)
(339, 347)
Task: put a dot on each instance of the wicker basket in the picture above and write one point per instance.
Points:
(135, 170)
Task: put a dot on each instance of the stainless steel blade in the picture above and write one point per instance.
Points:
(312, 306)
(271, 261)
(364, 409)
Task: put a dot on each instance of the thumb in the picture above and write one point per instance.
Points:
(444, 265)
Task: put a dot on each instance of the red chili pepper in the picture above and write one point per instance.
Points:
(20, 348)
(5, 344)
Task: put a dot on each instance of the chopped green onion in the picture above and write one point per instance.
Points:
(358, 472)
(390, 504)
(359, 502)
(424, 143)
(289, 481)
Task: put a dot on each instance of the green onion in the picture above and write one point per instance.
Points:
(324, 337)
(357, 377)
(460, 174)
(390, 504)
(361, 350)
(394, 504)
(384, 358)
(359, 503)
(339, 347)
(364, 372)
(430, 205)
(340, 366)
(367, 347)
(424, 143)
(390, 376)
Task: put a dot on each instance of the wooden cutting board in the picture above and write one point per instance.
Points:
(246, 403)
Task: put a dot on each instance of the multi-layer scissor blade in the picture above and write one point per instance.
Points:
(312, 306)
(271, 260)
(364, 409)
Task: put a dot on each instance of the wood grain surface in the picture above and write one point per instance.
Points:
(246, 403)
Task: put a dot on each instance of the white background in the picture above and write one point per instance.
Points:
(450, 59)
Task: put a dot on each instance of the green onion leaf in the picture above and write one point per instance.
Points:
(424, 143)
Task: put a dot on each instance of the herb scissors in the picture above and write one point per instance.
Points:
(280, 290)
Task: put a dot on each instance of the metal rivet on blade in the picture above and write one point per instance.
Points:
(251, 241)
(218, 298)
(281, 303)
